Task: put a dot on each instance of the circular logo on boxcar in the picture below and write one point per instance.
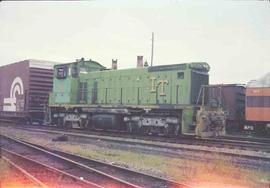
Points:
(16, 88)
(11, 104)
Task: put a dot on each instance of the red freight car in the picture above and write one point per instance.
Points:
(258, 104)
(24, 89)
(258, 107)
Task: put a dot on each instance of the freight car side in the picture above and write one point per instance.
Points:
(24, 89)
(258, 105)
(258, 108)
(13, 79)
(231, 99)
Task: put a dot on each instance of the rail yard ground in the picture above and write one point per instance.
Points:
(11, 177)
(201, 169)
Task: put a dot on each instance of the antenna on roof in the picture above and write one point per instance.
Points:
(152, 49)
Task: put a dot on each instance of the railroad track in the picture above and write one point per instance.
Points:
(241, 158)
(94, 173)
(244, 143)
(246, 137)
(43, 175)
(159, 141)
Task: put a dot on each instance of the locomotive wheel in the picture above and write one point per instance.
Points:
(75, 124)
(166, 131)
(132, 127)
(53, 122)
(176, 130)
(144, 130)
(28, 121)
(60, 122)
(89, 124)
(129, 128)
(170, 130)
(67, 124)
(83, 123)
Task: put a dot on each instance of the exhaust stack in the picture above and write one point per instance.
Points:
(114, 64)
(139, 61)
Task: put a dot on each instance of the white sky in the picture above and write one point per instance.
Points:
(232, 36)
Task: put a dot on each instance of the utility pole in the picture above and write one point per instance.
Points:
(152, 50)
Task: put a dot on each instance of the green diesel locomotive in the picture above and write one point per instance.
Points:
(148, 99)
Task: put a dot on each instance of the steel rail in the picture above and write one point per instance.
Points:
(184, 142)
(123, 173)
(233, 141)
(44, 169)
(207, 146)
(109, 179)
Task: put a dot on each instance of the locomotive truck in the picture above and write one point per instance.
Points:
(146, 99)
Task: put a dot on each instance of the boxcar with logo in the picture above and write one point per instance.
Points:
(24, 89)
